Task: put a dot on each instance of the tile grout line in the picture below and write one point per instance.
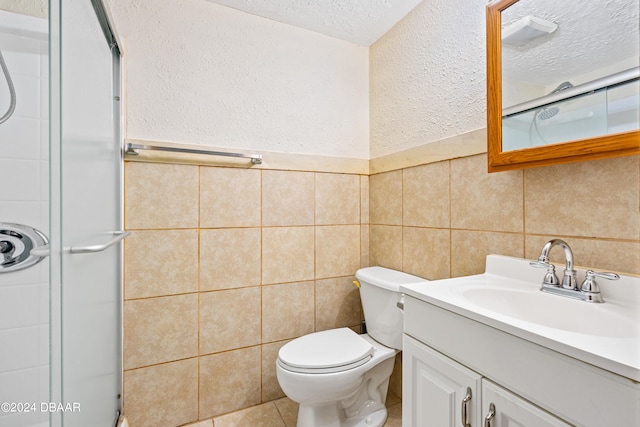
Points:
(199, 284)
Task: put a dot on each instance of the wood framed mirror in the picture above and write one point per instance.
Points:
(541, 140)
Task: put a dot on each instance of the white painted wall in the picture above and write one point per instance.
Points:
(201, 73)
(428, 76)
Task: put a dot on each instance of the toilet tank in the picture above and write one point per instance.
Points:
(380, 293)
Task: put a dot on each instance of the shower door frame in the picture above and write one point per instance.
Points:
(56, 394)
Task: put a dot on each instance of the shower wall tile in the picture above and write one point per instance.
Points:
(44, 184)
(282, 303)
(44, 138)
(22, 381)
(338, 303)
(43, 349)
(25, 386)
(229, 381)
(425, 195)
(25, 212)
(17, 308)
(229, 197)
(229, 319)
(287, 254)
(287, 198)
(229, 258)
(21, 60)
(25, 180)
(24, 343)
(162, 395)
(29, 89)
(24, 295)
(337, 199)
(161, 196)
(483, 201)
(599, 198)
(337, 250)
(385, 198)
(24, 136)
(160, 262)
(160, 330)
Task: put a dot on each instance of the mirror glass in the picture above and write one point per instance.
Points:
(569, 71)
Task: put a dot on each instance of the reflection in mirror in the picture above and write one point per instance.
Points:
(569, 71)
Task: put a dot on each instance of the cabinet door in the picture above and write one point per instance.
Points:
(513, 411)
(440, 391)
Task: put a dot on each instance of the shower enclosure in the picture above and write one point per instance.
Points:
(609, 106)
(61, 154)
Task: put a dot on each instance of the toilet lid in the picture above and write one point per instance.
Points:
(334, 350)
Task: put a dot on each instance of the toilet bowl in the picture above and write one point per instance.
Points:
(338, 377)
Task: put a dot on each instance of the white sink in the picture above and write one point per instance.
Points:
(508, 297)
(552, 311)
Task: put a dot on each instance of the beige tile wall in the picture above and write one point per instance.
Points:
(226, 265)
(441, 219)
(223, 267)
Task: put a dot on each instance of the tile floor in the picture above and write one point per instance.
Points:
(284, 413)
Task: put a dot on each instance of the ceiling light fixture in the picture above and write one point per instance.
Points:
(527, 29)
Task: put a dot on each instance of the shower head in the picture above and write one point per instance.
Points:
(546, 113)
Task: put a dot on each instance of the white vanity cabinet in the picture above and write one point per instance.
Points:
(445, 355)
(501, 408)
(442, 392)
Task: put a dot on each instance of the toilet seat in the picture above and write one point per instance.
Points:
(335, 350)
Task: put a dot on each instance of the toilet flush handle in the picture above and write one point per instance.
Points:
(400, 302)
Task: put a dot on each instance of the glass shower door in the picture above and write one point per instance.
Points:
(86, 172)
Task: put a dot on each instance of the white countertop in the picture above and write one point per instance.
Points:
(606, 335)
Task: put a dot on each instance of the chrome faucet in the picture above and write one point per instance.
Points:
(588, 291)
(569, 280)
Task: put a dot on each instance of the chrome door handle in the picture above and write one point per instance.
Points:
(490, 416)
(117, 237)
(465, 408)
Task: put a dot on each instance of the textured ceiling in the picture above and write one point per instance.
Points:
(592, 35)
(358, 21)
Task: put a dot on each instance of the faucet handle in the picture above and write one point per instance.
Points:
(550, 279)
(590, 285)
(539, 264)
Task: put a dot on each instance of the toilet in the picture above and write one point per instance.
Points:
(340, 378)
